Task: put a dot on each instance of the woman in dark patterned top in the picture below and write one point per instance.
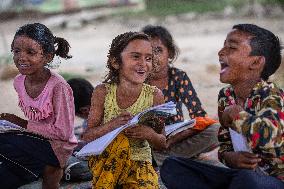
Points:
(251, 106)
(177, 87)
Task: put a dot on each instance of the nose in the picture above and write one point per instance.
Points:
(221, 52)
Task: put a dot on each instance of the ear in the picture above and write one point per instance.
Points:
(114, 63)
(258, 63)
(49, 57)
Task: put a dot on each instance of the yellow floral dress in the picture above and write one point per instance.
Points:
(125, 162)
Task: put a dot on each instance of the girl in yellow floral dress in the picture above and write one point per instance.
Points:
(126, 162)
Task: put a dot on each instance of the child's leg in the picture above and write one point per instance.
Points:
(108, 167)
(51, 177)
(19, 165)
(141, 175)
(8, 178)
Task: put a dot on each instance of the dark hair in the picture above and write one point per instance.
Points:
(43, 36)
(164, 35)
(263, 43)
(117, 46)
(82, 92)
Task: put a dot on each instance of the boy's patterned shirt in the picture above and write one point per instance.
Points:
(180, 90)
(261, 122)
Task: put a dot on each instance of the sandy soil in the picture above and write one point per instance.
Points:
(199, 41)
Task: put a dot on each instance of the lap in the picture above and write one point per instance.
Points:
(192, 146)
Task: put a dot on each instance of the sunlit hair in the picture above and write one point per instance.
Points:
(263, 43)
(114, 55)
(166, 38)
(43, 36)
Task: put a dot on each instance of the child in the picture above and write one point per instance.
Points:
(249, 105)
(127, 160)
(47, 102)
(82, 92)
(76, 169)
(177, 87)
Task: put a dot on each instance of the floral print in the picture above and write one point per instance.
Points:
(261, 122)
(180, 91)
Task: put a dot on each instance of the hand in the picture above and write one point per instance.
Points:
(229, 114)
(139, 132)
(120, 120)
(241, 160)
(14, 119)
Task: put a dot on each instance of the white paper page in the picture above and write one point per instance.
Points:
(97, 146)
(239, 141)
(8, 126)
(171, 128)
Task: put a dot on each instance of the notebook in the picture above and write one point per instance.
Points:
(179, 127)
(7, 126)
(97, 146)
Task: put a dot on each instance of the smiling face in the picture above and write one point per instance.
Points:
(28, 56)
(235, 58)
(136, 61)
(161, 55)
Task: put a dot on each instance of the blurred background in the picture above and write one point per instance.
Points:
(199, 28)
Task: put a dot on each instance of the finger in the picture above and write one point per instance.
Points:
(248, 166)
(249, 155)
(251, 160)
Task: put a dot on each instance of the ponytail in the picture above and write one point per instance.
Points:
(62, 47)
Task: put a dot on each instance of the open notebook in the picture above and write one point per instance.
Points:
(7, 126)
(179, 127)
(97, 146)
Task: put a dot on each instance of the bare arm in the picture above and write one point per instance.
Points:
(96, 127)
(157, 140)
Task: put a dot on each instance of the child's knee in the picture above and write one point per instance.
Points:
(52, 177)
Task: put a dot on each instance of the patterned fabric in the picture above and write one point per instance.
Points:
(140, 149)
(126, 162)
(51, 114)
(181, 91)
(262, 122)
(114, 167)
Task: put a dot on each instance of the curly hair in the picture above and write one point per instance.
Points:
(118, 44)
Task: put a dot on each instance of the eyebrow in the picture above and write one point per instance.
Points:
(233, 41)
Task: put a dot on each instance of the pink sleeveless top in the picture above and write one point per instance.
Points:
(51, 114)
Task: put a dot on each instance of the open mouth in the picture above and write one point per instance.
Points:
(24, 65)
(224, 66)
(141, 72)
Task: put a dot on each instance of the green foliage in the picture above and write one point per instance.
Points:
(6, 59)
(165, 7)
(67, 75)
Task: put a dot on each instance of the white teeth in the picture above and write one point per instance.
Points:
(24, 65)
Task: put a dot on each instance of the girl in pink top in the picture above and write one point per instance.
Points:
(47, 102)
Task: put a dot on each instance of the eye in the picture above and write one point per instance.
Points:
(32, 52)
(15, 51)
(149, 58)
(232, 47)
(135, 56)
